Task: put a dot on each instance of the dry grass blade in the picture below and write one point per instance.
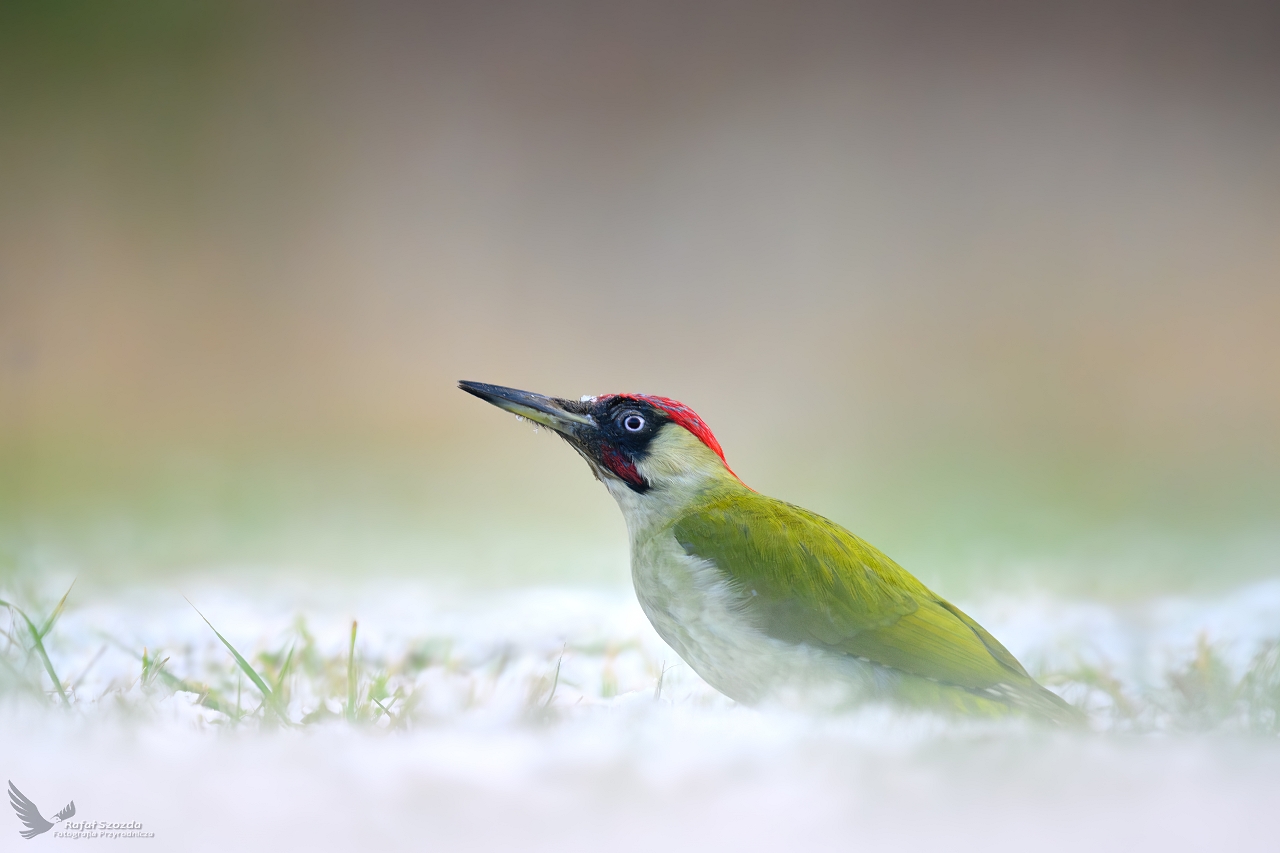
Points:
(351, 675)
(57, 611)
(204, 694)
(75, 682)
(555, 682)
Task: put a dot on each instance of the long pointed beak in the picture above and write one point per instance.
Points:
(548, 411)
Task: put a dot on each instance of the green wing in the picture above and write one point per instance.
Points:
(808, 580)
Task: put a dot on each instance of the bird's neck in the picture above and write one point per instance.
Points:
(681, 473)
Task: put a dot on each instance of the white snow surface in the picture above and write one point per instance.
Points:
(606, 762)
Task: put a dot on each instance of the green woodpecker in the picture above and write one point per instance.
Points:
(765, 600)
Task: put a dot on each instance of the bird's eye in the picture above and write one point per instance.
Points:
(633, 423)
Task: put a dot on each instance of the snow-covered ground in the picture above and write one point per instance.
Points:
(555, 719)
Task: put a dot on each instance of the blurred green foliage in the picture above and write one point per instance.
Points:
(245, 248)
(126, 92)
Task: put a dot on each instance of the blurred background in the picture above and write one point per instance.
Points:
(995, 285)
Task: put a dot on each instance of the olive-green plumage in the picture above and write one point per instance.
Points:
(808, 580)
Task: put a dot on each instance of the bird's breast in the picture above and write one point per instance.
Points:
(705, 618)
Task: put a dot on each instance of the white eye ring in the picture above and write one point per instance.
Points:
(633, 423)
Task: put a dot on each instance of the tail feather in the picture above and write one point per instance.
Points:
(1042, 702)
(1025, 697)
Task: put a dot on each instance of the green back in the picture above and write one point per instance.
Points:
(806, 579)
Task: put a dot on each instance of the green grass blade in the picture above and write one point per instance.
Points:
(268, 696)
(37, 641)
(48, 664)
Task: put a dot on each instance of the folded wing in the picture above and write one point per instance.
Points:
(806, 579)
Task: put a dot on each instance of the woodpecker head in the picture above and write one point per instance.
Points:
(636, 444)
